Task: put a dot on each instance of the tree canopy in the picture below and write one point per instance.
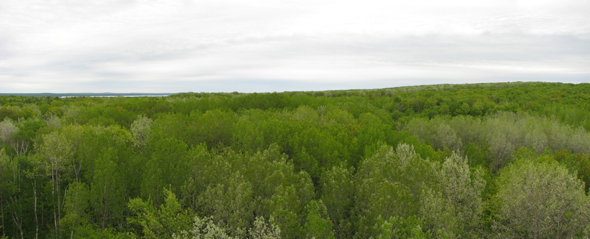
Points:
(500, 160)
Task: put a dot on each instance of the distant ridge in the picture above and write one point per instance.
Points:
(106, 94)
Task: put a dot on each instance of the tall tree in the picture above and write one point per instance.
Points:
(167, 166)
(7, 170)
(338, 191)
(55, 151)
(462, 189)
(317, 223)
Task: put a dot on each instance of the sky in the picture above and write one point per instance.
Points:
(151, 46)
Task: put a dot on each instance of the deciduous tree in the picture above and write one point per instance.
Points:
(540, 200)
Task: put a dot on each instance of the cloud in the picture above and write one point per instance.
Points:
(173, 46)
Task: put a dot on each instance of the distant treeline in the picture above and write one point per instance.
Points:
(63, 95)
(500, 160)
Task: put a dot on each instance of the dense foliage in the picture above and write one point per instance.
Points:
(502, 160)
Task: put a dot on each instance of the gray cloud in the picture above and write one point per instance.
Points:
(174, 46)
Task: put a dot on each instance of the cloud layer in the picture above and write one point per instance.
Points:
(285, 45)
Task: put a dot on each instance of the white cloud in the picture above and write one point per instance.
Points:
(120, 46)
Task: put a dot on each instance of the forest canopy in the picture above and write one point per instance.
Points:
(498, 160)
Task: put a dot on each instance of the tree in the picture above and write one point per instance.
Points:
(337, 187)
(540, 199)
(23, 139)
(500, 148)
(462, 189)
(317, 223)
(264, 230)
(438, 132)
(141, 129)
(7, 131)
(107, 197)
(76, 205)
(464, 109)
(167, 166)
(8, 171)
(55, 151)
(214, 127)
(389, 184)
(437, 214)
(203, 228)
(397, 227)
(230, 204)
(285, 207)
(163, 221)
(247, 137)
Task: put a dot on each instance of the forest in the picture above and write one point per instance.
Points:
(493, 160)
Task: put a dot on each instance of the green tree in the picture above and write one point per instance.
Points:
(317, 223)
(55, 151)
(247, 137)
(540, 200)
(286, 207)
(397, 227)
(107, 197)
(8, 173)
(338, 192)
(76, 207)
(464, 109)
(167, 166)
(389, 184)
(163, 221)
(23, 139)
(214, 127)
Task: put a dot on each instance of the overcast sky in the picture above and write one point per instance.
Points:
(287, 45)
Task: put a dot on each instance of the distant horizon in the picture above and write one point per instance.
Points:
(261, 92)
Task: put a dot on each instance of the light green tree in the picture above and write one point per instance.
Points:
(264, 230)
(540, 200)
(400, 228)
(230, 205)
(7, 131)
(203, 228)
(206, 228)
(163, 221)
(141, 129)
(437, 214)
(462, 189)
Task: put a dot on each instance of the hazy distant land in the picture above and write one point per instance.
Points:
(107, 94)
